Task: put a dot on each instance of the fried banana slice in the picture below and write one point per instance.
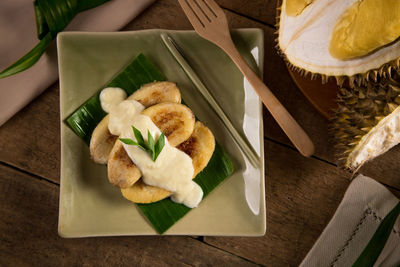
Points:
(122, 172)
(102, 141)
(176, 120)
(199, 146)
(157, 92)
(140, 192)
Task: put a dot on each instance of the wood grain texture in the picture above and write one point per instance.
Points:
(31, 139)
(261, 10)
(28, 235)
(302, 196)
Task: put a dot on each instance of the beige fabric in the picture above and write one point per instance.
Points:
(18, 36)
(363, 207)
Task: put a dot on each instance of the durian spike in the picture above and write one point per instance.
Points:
(354, 119)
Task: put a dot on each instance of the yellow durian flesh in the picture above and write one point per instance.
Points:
(304, 41)
(295, 7)
(365, 26)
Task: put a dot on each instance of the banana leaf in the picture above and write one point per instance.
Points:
(165, 213)
(52, 16)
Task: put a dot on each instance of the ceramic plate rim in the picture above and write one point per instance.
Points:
(260, 34)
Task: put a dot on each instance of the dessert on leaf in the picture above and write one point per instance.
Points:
(152, 145)
(157, 154)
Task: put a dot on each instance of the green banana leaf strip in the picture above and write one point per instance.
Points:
(41, 25)
(375, 246)
(140, 71)
(57, 13)
(29, 59)
(165, 213)
(52, 16)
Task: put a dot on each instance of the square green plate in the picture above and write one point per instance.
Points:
(89, 205)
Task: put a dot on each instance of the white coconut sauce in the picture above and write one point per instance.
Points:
(173, 169)
(110, 97)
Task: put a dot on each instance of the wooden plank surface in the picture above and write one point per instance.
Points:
(30, 141)
(28, 235)
(302, 194)
(261, 10)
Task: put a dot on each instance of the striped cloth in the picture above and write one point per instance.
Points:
(357, 230)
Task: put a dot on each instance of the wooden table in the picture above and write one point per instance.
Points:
(302, 193)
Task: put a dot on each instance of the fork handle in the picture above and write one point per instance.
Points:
(292, 129)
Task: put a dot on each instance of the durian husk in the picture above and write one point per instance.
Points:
(360, 109)
(360, 79)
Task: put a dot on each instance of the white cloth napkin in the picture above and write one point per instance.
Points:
(18, 36)
(358, 216)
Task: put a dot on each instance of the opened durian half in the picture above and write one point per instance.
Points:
(367, 121)
(356, 40)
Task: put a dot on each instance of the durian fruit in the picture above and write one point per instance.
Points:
(353, 40)
(367, 121)
(295, 7)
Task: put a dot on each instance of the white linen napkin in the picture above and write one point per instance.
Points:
(364, 205)
(18, 36)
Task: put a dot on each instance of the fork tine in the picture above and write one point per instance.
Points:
(198, 11)
(206, 9)
(214, 7)
(193, 18)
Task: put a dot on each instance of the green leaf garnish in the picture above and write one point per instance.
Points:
(139, 139)
(150, 141)
(159, 145)
(128, 141)
(29, 59)
(153, 149)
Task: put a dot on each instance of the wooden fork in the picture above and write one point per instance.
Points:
(209, 21)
